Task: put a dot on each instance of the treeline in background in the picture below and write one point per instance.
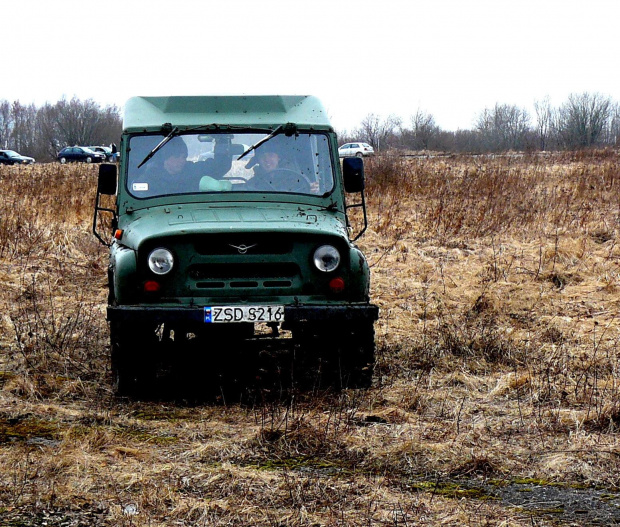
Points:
(40, 132)
(585, 120)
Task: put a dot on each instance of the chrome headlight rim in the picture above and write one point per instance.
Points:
(326, 258)
(160, 261)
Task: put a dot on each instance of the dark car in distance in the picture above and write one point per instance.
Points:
(10, 157)
(105, 150)
(80, 154)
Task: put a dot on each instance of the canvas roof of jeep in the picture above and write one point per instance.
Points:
(150, 113)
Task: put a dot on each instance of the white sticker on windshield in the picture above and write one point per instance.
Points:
(140, 186)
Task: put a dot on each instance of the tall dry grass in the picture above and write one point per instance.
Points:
(479, 196)
(515, 267)
(497, 279)
(52, 272)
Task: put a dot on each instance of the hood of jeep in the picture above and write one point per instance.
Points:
(188, 219)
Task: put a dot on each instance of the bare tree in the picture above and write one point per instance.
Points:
(6, 123)
(377, 132)
(424, 129)
(503, 127)
(23, 135)
(544, 122)
(613, 128)
(49, 142)
(581, 121)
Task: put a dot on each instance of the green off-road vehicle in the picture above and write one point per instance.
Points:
(230, 229)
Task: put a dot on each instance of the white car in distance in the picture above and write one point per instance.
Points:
(355, 150)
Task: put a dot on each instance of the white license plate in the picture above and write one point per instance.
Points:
(229, 314)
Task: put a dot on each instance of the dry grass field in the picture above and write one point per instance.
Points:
(497, 379)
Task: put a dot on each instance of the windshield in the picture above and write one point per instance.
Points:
(196, 163)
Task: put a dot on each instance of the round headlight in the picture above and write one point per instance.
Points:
(326, 258)
(161, 261)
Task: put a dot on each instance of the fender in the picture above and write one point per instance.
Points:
(123, 271)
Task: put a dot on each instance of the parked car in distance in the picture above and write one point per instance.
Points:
(105, 150)
(356, 150)
(10, 157)
(80, 154)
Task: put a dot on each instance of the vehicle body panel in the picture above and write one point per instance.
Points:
(149, 113)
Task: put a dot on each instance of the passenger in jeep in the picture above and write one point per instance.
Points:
(274, 171)
(169, 172)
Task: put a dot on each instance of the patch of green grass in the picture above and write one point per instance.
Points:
(534, 481)
(26, 427)
(453, 490)
(301, 463)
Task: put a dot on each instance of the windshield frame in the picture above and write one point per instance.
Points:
(315, 147)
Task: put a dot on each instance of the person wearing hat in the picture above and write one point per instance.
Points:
(272, 172)
(169, 171)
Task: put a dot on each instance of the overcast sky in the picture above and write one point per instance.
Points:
(451, 58)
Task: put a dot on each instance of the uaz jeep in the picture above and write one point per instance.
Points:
(231, 226)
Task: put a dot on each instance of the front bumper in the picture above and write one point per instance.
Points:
(292, 314)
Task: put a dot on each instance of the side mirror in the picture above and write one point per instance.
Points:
(107, 180)
(353, 172)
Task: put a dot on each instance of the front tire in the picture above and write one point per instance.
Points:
(89, 159)
(132, 352)
(335, 355)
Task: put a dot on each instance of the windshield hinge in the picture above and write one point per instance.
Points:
(290, 129)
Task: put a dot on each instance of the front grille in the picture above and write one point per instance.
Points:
(251, 244)
(244, 271)
(267, 284)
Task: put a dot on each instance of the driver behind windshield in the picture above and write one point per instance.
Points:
(275, 169)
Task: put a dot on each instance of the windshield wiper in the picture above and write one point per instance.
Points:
(174, 132)
(289, 129)
(263, 140)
